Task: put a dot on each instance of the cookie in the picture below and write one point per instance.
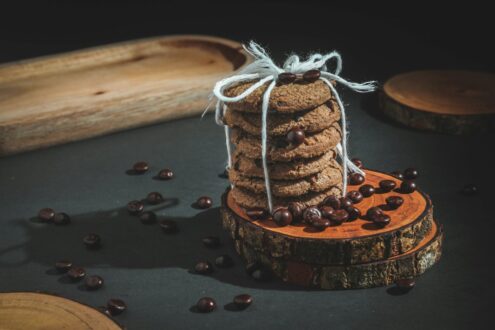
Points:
(296, 169)
(279, 150)
(250, 200)
(331, 176)
(294, 97)
(311, 121)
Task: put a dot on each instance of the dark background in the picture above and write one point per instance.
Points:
(151, 271)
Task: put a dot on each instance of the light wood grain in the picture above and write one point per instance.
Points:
(87, 93)
(453, 102)
(29, 310)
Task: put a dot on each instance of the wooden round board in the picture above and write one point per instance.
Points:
(384, 272)
(29, 310)
(454, 102)
(355, 242)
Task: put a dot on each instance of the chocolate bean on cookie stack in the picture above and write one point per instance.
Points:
(303, 132)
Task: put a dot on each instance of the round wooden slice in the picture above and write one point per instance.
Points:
(29, 310)
(454, 102)
(385, 272)
(355, 242)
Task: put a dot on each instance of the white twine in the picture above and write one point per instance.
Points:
(265, 70)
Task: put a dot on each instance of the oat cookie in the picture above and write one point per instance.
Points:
(329, 177)
(279, 150)
(250, 200)
(296, 169)
(311, 121)
(293, 97)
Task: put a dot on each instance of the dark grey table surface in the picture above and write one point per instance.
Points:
(151, 270)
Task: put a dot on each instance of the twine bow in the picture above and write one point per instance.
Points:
(265, 71)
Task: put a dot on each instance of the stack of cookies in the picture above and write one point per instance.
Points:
(303, 132)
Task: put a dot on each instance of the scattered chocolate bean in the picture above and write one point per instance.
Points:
(206, 305)
(345, 202)
(410, 173)
(295, 136)
(47, 214)
(394, 202)
(332, 201)
(257, 214)
(397, 174)
(311, 75)
(320, 224)
(373, 212)
(203, 268)
(355, 196)
(339, 216)
(297, 212)
(92, 241)
(381, 220)
(353, 212)
(469, 190)
(367, 190)
(224, 261)
(357, 162)
(243, 301)
(116, 306)
(135, 207)
(140, 167)
(286, 78)
(63, 266)
(76, 273)
(326, 211)
(165, 174)
(407, 187)
(61, 219)
(356, 179)
(93, 282)
(311, 214)
(405, 285)
(169, 226)
(282, 216)
(387, 185)
(211, 241)
(147, 217)
(154, 198)
(204, 202)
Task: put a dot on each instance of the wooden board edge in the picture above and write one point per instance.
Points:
(39, 294)
(360, 276)
(428, 121)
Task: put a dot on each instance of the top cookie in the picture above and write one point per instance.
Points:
(293, 97)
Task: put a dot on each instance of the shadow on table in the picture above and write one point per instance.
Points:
(127, 243)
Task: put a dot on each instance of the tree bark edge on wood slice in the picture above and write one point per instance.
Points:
(360, 246)
(380, 273)
(446, 101)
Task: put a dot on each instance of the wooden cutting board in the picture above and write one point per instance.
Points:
(29, 310)
(82, 94)
(447, 101)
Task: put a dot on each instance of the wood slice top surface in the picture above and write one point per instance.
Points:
(444, 92)
(29, 310)
(415, 206)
